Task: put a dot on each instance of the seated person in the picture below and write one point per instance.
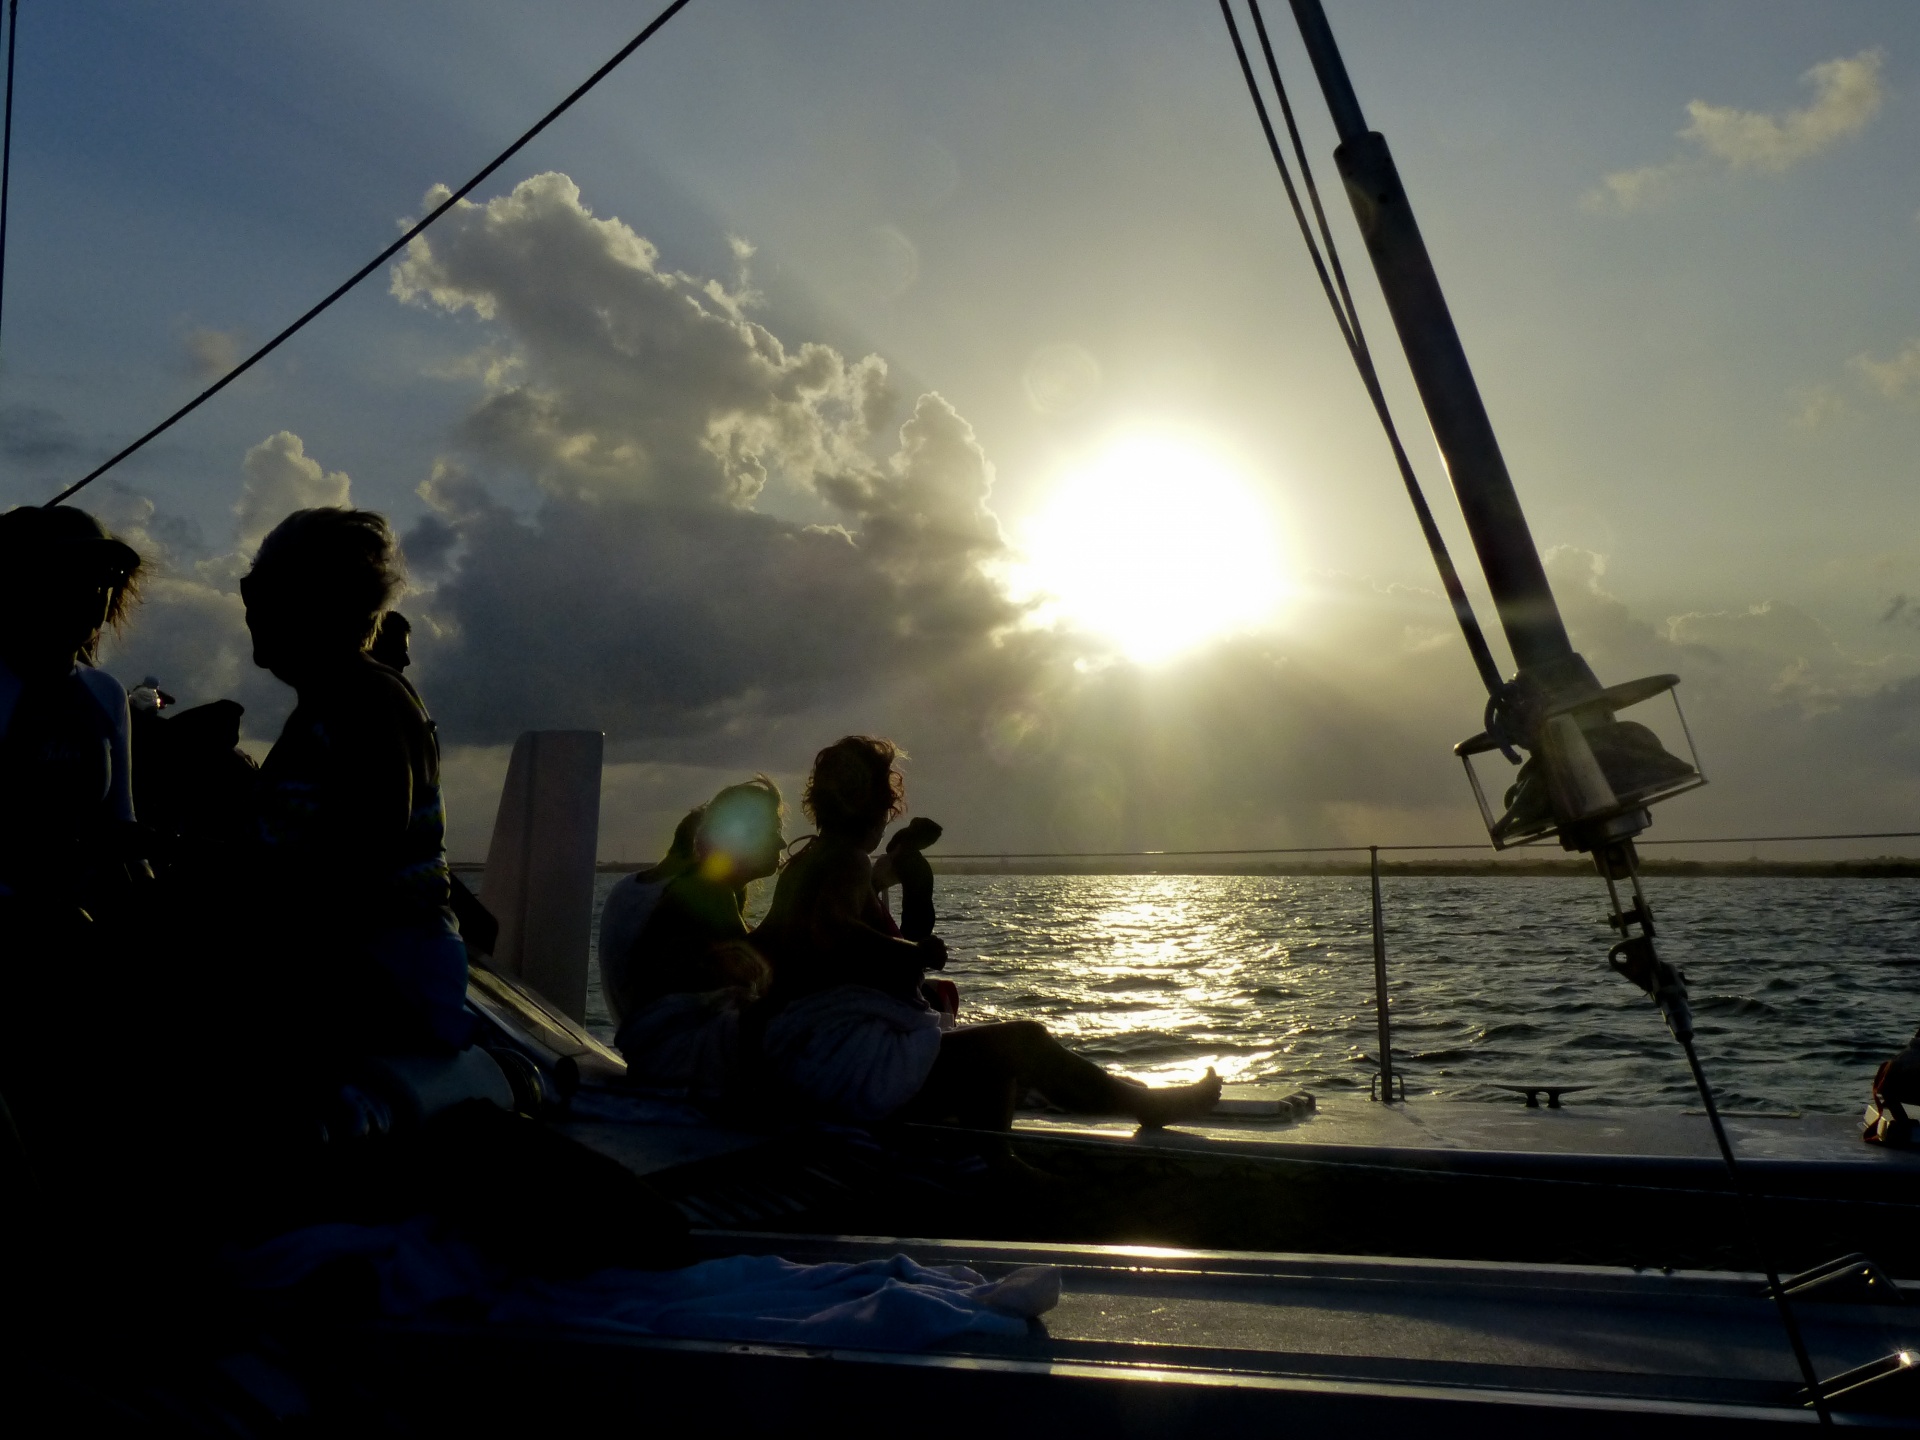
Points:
(349, 832)
(827, 926)
(65, 749)
(847, 1028)
(690, 971)
(906, 865)
(628, 905)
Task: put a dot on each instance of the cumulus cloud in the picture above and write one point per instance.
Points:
(281, 478)
(620, 352)
(1848, 93)
(646, 593)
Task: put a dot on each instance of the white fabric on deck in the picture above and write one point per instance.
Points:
(856, 1053)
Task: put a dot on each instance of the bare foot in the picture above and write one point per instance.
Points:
(1174, 1103)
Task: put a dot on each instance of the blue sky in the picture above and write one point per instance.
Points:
(1687, 390)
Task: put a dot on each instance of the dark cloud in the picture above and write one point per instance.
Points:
(35, 435)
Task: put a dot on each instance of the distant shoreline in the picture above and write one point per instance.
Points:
(1882, 867)
(1878, 868)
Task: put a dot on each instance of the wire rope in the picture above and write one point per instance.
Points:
(413, 232)
(6, 143)
(1333, 282)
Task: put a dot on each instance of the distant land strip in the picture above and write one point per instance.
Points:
(1878, 867)
(1888, 867)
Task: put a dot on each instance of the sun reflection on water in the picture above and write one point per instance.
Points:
(1801, 987)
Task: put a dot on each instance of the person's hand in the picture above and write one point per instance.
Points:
(743, 967)
(933, 952)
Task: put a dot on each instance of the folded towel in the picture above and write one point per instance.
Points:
(891, 1304)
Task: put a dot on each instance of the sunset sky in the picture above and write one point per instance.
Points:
(952, 370)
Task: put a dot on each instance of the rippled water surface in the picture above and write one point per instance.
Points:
(1801, 987)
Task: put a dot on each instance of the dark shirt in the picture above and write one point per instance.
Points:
(56, 789)
(676, 949)
(349, 819)
(352, 875)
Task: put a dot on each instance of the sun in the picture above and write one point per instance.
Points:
(1157, 545)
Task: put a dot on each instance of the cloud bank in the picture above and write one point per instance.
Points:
(660, 518)
(645, 593)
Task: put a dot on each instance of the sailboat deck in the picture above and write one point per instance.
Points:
(1408, 1131)
(1153, 1340)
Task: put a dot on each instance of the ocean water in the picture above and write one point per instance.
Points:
(1800, 986)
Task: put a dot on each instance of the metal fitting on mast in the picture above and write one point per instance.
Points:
(1590, 776)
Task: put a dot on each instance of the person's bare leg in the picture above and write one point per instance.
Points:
(983, 1070)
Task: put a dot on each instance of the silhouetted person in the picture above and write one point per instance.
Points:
(350, 825)
(849, 1031)
(911, 872)
(390, 642)
(192, 784)
(691, 970)
(628, 907)
(69, 856)
(477, 925)
(66, 787)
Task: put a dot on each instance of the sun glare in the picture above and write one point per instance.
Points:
(1158, 546)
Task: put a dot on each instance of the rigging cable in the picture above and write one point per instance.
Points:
(374, 264)
(6, 142)
(1667, 987)
(1347, 317)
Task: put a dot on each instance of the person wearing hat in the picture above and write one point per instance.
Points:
(66, 794)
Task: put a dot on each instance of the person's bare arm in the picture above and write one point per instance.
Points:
(845, 925)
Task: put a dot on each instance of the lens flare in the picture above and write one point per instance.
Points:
(1158, 546)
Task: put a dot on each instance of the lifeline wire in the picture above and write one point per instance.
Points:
(374, 264)
(6, 141)
(1362, 849)
(1348, 319)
